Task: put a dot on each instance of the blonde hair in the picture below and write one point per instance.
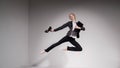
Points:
(73, 15)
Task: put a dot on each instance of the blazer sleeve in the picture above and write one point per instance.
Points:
(80, 24)
(61, 27)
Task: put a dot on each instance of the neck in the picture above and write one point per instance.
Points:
(74, 20)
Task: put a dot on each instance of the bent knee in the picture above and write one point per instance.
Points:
(80, 49)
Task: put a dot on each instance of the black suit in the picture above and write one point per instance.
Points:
(68, 38)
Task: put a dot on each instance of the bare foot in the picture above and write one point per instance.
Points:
(42, 52)
(65, 49)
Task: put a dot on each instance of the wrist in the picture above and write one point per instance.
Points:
(52, 30)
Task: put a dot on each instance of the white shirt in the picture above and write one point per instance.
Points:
(73, 24)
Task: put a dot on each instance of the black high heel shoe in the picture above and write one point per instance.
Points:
(49, 29)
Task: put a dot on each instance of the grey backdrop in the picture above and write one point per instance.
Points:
(22, 25)
(13, 33)
(100, 41)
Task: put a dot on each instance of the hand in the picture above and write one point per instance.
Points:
(51, 30)
(77, 27)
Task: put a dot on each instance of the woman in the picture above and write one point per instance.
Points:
(74, 28)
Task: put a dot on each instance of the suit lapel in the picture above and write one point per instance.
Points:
(71, 26)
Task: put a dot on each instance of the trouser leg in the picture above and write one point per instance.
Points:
(76, 47)
(64, 39)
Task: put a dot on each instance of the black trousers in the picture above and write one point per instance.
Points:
(76, 47)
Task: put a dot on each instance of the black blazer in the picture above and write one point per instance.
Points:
(69, 24)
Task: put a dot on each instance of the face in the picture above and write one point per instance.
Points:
(71, 17)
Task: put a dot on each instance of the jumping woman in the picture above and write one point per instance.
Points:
(74, 29)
